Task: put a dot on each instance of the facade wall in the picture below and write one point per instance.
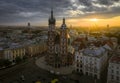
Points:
(11, 54)
(63, 42)
(90, 65)
(34, 50)
(113, 73)
(31, 50)
(51, 43)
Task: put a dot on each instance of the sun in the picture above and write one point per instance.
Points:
(94, 19)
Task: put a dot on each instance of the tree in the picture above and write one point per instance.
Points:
(7, 62)
(1, 62)
(18, 59)
(25, 57)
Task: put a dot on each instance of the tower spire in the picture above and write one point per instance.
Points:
(63, 20)
(63, 24)
(52, 19)
(51, 12)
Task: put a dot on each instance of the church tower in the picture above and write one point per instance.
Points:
(51, 38)
(57, 54)
(64, 42)
(51, 34)
(63, 38)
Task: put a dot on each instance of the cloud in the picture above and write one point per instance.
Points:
(25, 10)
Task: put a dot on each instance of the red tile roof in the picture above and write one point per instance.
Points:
(78, 40)
(115, 59)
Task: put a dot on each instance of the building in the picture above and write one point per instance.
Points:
(64, 43)
(51, 38)
(58, 54)
(12, 53)
(91, 60)
(114, 69)
(36, 49)
(114, 40)
(22, 49)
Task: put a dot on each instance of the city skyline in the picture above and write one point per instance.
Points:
(77, 12)
(65, 41)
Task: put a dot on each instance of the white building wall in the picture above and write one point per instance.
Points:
(78, 61)
(113, 73)
(91, 65)
(11, 54)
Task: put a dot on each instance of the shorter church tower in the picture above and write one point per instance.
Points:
(64, 43)
(63, 38)
(51, 34)
(29, 27)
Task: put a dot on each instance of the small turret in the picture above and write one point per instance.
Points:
(63, 25)
(63, 20)
(28, 24)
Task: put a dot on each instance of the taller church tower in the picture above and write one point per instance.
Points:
(51, 34)
(51, 38)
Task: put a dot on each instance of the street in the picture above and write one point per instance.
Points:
(31, 73)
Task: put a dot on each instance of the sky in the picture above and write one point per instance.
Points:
(76, 12)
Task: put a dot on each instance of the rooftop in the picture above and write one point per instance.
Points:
(96, 52)
(115, 59)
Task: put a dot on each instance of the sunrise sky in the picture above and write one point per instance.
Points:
(76, 12)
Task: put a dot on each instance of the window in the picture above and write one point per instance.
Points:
(77, 56)
(81, 66)
(80, 61)
(117, 78)
(77, 60)
(112, 71)
(117, 67)
(112, 77)
(95, 69)
(77, 70)
(112, 66)
(81, 58)
(117, 72)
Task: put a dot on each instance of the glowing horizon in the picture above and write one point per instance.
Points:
(84, 22)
